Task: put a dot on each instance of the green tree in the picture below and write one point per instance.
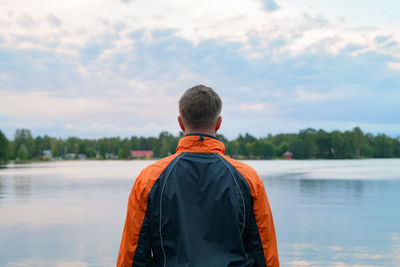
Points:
(90, 152)
(383, 147)
(323, 142)
(296, 146)
(283, 147)
(232, 148)
(22, 152)
(102, 148)
(3, 147)
(11, 151)
(135, 143)
(24, 137)
(396, 148)
(126, 148)
(268, 149)
(310, 148)
(121, 153)
(38, 147)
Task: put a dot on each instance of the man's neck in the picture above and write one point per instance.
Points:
(200, 131)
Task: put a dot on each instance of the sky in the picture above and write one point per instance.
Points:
(105, 68)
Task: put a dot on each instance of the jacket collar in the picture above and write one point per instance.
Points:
(200, 143)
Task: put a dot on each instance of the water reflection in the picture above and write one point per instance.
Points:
(327, 213)
(22, 187)
(313, 187)
(2, 188)
(320, 187)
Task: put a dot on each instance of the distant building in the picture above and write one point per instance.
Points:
(82, 156)
(47, 154)
(70, 156)
(288, 155)
(75, 156)
(110, 156)
(142, 154)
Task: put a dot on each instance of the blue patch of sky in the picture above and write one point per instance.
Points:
(136, 34)
(352, 48)
(4, 118)
(391, 44)
(96, 46)
(270, 5)
(32, 69)
(382, 39)
(162, 33)
(119, 26)
(358, 110)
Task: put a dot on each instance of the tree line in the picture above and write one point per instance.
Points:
(307, 144)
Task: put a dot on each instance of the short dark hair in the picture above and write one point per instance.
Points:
(200, 106)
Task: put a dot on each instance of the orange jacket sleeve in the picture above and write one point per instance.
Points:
(135, 251)
(136, 211)
(265, 224)
(261, 230)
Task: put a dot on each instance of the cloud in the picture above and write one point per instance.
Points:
(252, 107)
(26, 22)
(134, 89)
(123, 70)
(393, 65)
(309, 97)
(199, 21)
(316, 18)
(54, 21)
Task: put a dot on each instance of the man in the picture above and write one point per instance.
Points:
(198, 207)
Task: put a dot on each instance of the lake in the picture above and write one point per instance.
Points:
(327, 212)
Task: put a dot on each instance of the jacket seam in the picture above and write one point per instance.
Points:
(162, 192)
(240, 191)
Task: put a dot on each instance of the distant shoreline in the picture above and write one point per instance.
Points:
(15, 162)
(307, 144)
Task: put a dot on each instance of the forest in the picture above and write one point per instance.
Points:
(306, 144)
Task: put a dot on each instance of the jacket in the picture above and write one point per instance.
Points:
(198, 208)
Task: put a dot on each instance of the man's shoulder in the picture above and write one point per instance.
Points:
(149, 175)
(247, 171)
(155, 169)
(249, 174)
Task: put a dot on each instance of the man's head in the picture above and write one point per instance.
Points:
(199, 110)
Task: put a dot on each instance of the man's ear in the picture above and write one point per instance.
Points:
(180, 121)
(219, 121)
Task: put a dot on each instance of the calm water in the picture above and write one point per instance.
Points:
(327, 213)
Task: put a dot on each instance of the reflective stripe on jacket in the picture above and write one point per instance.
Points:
(198, 208)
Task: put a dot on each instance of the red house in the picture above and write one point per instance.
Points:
(288, 155)
(142, 153)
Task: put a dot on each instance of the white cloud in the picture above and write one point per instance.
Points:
(253, 107)
(303, 96)
(76, 22)
(394, 65)
(44, 105)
